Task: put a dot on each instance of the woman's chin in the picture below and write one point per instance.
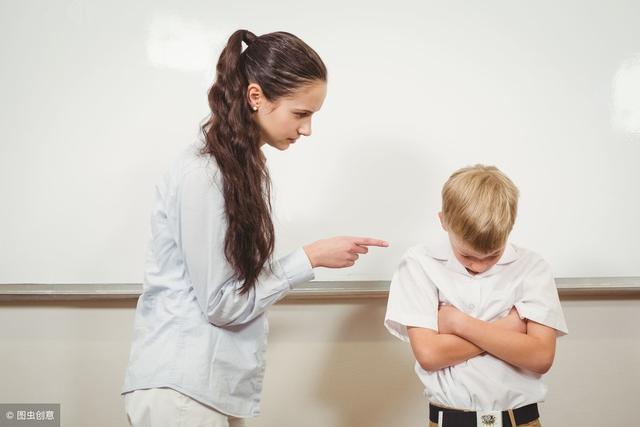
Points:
(280, 146)
(284, 145)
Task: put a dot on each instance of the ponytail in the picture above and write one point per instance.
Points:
(280, 63)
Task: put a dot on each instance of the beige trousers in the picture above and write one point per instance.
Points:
(164, 407)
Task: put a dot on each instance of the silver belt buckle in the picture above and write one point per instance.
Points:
(489, 418)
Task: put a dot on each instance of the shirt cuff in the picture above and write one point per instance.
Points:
(397, 326)
(297, 268)
(544, 317)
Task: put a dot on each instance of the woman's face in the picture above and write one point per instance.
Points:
(283, 121)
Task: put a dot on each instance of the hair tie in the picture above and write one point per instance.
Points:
(248, 37)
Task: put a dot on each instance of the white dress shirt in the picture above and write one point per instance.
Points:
(193, 331)
(430, 275)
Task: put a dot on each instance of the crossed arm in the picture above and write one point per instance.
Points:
(525, 344)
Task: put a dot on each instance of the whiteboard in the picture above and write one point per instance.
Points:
(98, 97)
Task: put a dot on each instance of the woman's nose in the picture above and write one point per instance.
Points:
(305, 129)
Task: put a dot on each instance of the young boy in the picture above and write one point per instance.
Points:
(481, 314)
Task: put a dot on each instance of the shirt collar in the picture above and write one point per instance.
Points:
(443, 251)
(509, 255)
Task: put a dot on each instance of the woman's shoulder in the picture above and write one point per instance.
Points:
(194, 169)
(195, 164)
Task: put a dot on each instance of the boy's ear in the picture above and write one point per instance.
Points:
(444, 226)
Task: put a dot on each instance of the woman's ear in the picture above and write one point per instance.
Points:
(254, 96)
(441, 216)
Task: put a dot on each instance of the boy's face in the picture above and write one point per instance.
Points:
(474, 261)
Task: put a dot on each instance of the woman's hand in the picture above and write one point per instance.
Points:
(339, 252)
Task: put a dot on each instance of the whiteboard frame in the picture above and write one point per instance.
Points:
(594, 286)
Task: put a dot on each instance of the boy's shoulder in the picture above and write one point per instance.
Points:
(430, 258)
(528, 256)
(527, 263)
(434, 251)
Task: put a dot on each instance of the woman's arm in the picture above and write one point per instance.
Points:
(202, 228)
(534, 350)
(201, 234)
(437, 350)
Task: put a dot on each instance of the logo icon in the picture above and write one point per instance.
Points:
(488, 420)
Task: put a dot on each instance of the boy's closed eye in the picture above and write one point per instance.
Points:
(486, 258)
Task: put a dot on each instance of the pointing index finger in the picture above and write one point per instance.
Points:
(368, 241)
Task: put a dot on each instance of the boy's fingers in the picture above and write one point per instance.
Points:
(368, 241)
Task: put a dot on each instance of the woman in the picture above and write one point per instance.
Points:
(197, 356)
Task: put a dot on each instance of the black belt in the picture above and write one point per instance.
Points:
(460, 418)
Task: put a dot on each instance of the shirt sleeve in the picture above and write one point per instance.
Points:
(202, 228)
(540, 301)
(413, 299)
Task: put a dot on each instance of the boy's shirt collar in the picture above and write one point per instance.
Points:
(444, 252)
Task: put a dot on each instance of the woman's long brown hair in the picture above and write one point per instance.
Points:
(280, 63)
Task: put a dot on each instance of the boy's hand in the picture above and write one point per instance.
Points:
(449, 318)
(513, 322)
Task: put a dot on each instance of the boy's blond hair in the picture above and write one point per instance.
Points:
(479, 205)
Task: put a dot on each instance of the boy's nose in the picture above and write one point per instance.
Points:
(478, 268)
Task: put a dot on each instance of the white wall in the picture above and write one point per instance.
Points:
(98, 96)
(330, 363)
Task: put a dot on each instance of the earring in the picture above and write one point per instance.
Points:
(255, 108)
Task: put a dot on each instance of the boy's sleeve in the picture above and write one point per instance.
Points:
(413, 299)
(540, 301)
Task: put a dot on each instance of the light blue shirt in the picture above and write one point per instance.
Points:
(193, 331)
